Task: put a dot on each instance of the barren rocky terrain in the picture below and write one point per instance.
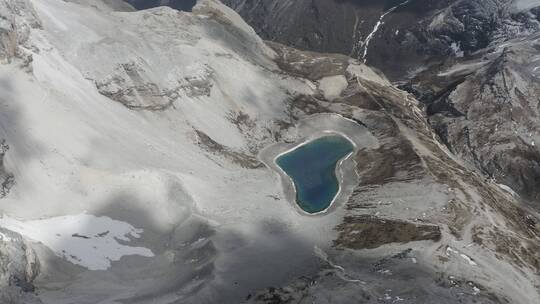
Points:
(140, 164)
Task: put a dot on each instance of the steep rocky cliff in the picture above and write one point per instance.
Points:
(486, 110)
(18, 269)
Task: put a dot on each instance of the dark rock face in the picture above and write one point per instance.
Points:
(14, 31)
(414, 34)
(487, 111)
(183, 5)
(375, 232)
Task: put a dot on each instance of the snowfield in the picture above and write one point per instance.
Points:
(82, 239)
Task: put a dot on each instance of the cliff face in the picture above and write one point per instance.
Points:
(139, 146)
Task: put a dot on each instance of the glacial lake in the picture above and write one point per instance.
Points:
(313, 167)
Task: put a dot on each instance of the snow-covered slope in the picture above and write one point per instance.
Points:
(73, 150)
(142, 135)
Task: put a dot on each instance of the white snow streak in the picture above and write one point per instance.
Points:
(508, 189)
(451, 252)
(377, 26)
(342, 272)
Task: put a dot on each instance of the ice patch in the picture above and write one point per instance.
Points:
(82, 239)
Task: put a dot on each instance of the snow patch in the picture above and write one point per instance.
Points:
(462, 68)
(82, 239)
(332, 86)
(507, 189)
(456, 49)
(468, 259)
(523, 5)
(5, 238)
(451, 252)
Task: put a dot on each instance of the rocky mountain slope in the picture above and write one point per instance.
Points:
(398, 37)
(140, 171)
(472, 64)
(485, 109)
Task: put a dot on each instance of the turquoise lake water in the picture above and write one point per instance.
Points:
(312, 167)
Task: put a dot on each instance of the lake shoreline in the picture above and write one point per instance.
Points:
(312, 128)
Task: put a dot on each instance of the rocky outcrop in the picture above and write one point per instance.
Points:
(467, 25)
(371, 232)
(16, 19)
(6, 179)
(129, 87)
(242, 159)
(8, 34)
(19, 267)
